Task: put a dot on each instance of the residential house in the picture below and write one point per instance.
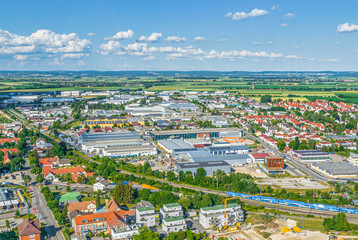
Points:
(29, 230)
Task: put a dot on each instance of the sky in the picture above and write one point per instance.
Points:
(180, 35)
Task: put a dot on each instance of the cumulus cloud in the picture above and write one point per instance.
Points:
(346, 27)
(199, 39)
(43, 43)
(91, 34)
(175, 39)
(154, 37)
(243, 15)
(289, 15)
(284, 25)
(122, 35)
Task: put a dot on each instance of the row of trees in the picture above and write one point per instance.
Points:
(52, 203)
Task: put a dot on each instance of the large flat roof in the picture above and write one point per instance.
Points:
(218, 207)
(338, 168)
(175, 144)
(109, 136)
(310, 152)
(203, 164)
(203, 130)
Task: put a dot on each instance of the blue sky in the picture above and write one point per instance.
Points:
(219, 35)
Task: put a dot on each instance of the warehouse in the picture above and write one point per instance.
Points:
(25, 98)
(58, 99)
(225, 150)
(209, 167)
(310, 155)
(95, 142)
(175, 145)
(335, 169)
(128, 151)
(195, 133)
(233, 159)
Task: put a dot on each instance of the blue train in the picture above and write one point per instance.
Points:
(292, 203)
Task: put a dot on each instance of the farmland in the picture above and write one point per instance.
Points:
(280, 85)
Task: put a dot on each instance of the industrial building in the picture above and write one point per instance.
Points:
(175, 145)
(25, 98)
(336, 170)
(145, 111)
(209, 167)
(195, 133)
(232, 159)
(310, 155)
(214, 217)
(58, 99)
(116, 144)
(353, 159)
(225, 150)
(75, 93)
(275, 162)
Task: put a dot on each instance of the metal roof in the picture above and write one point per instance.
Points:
(109, 136)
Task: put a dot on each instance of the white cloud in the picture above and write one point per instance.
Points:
(154, 37)
(284, 25)
(175, 39)
(43, 42)
(91, 34)
(222, 40)
(122, 35)
(289, 15)
(74, 55)
(274, 7)
(81, 63)
(329, 60)
(346, 27)
(296, 47)
(149, 58)
(243, 15)
(21, 57)
(260, 43)
(109, 47)
(337, 43)
(199, 39)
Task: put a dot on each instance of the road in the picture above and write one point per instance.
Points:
(52, 228)
(297, 164)
(352, 217)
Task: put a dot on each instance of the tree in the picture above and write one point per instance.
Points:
(170, 176)
(68, 189)
(265, 99)
(17, 214)
(206, 201)
(27, 179)
(200, 175)
(269, 189)
(145, 234)
(123, 193)
(281, 145)
(7, 222)
(186, 203)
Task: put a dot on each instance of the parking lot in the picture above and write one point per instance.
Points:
(12, 178)
(292, 183)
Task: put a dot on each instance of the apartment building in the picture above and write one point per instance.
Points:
(173, 224)
(210, 217)
(147, 216)
(171, 210)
